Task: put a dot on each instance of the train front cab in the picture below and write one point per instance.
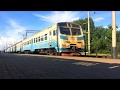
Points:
(71, 38)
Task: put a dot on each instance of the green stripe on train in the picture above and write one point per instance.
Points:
(80, 38)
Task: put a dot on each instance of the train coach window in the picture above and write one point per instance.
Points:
(39, 39)
(34, 40)
(42, 38)
(50, 32)
(45, 36)
(54, 33)
(30, 42)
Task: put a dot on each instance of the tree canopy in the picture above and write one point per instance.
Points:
(101, 38)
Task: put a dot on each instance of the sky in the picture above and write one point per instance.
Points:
(13, 24)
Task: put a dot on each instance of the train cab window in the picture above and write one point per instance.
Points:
(75, 31)
(74, 25)
(69, 25)
(45, 36)
(62, 24)
(65, 31)
(54, 33)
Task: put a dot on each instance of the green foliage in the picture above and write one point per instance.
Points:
(110, 26)
(118, 41)
(101, 39)
(84, 23)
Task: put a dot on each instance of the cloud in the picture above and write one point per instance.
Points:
(117, 12)
(14, 28)
(60, 16)
(98, 19)
(118, 29)
(11, 33)
(105, 26)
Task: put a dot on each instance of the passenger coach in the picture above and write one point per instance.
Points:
(63, 37)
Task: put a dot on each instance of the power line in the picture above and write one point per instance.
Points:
(31, 31)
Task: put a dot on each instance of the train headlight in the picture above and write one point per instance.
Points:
(63, 45)
(79, 42)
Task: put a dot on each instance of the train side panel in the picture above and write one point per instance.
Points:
(46, 41)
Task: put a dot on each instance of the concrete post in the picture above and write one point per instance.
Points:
(88, 31)
(114, 49)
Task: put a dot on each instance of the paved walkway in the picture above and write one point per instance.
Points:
(30, 66)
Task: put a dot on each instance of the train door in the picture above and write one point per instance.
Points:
(31, 45)
(21, 47)
(50, 38)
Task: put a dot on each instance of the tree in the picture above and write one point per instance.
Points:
(80, 22)
(84, 23)
(118, 41)
(110, 26)
(101, 39)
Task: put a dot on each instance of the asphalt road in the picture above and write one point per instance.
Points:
(22, 66)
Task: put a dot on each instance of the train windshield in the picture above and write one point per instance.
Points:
(64, 30)
(75, 31)
(62, 24)
(74, 25)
